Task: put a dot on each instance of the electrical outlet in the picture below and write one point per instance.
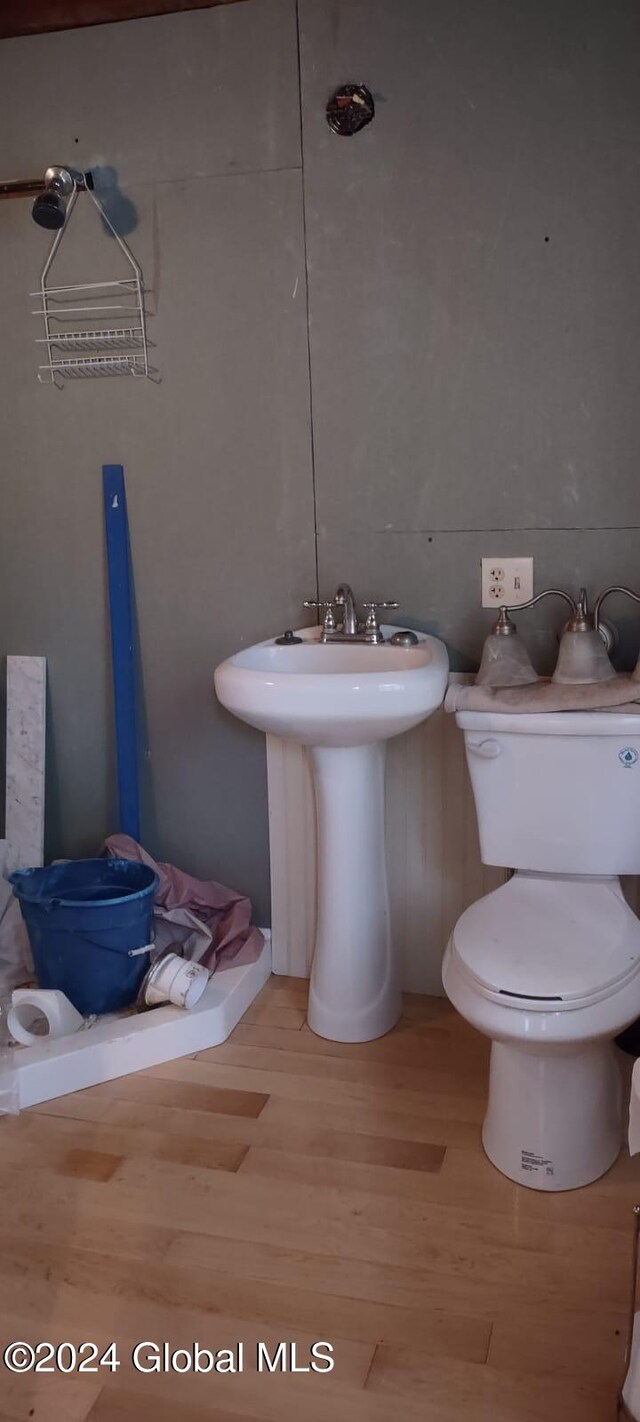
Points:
(507, 581)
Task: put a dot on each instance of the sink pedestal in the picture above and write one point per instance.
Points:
(354, 994)
(343, 701)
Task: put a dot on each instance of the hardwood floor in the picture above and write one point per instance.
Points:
(285, 1188)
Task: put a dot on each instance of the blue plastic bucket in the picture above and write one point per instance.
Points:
(84, 919)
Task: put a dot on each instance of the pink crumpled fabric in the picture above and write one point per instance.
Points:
(212, 924)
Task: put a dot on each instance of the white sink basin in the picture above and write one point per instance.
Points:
(337, 694)
(343, 701)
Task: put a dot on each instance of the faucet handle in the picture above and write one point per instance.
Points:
(372, 626)
(329, 619)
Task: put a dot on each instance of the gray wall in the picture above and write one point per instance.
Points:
(474, 287)
(199, 116)
(474, 329)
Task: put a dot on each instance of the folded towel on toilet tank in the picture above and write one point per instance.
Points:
(211, 923)
(620, 693)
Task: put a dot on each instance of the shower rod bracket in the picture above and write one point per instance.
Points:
(30, 187)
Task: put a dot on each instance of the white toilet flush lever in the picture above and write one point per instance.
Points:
(487, 750)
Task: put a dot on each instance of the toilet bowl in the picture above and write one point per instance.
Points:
(548, 965)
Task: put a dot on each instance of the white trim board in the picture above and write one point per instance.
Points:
(23, 847)
(118, 1044)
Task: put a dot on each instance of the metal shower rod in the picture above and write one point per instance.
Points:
(30, 187)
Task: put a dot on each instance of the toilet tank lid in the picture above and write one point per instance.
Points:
(550, 938)
(551, 723)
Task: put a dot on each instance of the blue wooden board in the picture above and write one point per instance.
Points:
(123, 656)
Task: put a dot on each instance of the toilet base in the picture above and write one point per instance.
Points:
(554, 1119)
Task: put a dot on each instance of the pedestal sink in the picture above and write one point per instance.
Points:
(343, 701)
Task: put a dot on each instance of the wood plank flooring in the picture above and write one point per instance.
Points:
(283, 1188)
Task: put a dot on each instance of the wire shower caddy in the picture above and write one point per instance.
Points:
(100, 344)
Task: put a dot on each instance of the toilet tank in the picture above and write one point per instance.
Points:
(557, 793)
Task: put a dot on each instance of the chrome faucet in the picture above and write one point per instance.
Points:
(350, 629)
(345, 599)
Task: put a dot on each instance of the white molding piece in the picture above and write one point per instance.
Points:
(433, 857)
(292, 846)
(25, 772)
(119, 1044)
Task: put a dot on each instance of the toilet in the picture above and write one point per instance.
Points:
(548, 965)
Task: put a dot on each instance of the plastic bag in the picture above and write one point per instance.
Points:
(16, 961)
(16, 968)
(9, 1091)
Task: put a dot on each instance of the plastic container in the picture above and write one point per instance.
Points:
(172, 978)
(84, 919)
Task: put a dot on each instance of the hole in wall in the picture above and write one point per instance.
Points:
(350, 109)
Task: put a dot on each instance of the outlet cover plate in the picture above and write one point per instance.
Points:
(507, 581)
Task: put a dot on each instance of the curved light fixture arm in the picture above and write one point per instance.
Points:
(617, 588)
(548, 592)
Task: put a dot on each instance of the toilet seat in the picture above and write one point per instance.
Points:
(548, 943)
